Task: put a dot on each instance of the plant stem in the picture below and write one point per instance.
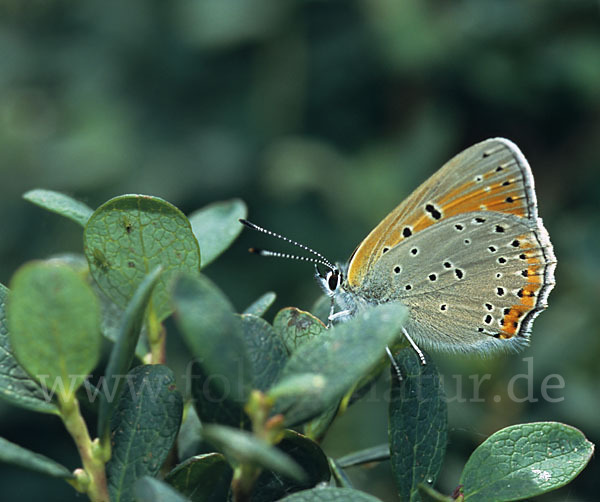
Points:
(244, 476)
(89, 451)
(156, 337)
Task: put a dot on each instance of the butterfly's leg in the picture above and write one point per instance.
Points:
(331, 314)
(340, 314)
(414, 346)
(396, 367)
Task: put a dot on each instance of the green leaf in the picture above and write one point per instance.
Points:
(261, 305)
(296, 327)
(144, 427)
(203, 478)
(342, 356)
(128, 237)
(330, 495)
(214, 335)
(123, 350)
(374, 454)
(307, 454)
(17, 455)
(148, 489)
(54, 325)
(112, 318)
(241, 446)
(216, 226)
(60, 203)
(15, 384)
(418, 423)
(266, 351)
(298, 384)
(525, 460)
(213, 401)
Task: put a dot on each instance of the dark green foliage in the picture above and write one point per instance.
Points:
(16, 385)
(54, 325)
(272, 485)
(15, 454)
(143, 428)
(202, 478)
(265, 349)
(248, 379)
(418, 424)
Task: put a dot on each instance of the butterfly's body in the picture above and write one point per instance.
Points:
(466, 253)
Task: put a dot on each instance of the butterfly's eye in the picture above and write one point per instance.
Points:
(333, 279)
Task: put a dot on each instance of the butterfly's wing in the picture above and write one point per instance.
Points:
(471, 282)
(492, 175)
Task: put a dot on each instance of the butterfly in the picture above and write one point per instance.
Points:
(466, 253)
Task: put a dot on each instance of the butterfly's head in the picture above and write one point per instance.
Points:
(330, 279)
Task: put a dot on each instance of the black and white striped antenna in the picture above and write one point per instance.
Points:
(263, 252)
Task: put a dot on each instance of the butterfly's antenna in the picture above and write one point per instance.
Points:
(320, 258)
(277, 254)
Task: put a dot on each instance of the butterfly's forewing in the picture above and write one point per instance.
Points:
(471, 281)
(492, 175)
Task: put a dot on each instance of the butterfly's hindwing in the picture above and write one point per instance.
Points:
(472, 280)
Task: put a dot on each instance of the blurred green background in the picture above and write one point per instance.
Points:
(322, 116)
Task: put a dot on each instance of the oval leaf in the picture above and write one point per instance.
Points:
(149, 489)
(17, 455)
(330, 495)
(213, 400)
(525, 460)
(216, 226)
(143, 427)
(54, 325)
(241, 446)
(214, 335)
(203, 478)
(261, 305)
(128, 237)
(418, 423)
(60, 203)
(342, 355)
(307, 454)
(15, 384)
(296, 327)
(299, 384)
(265, 349)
